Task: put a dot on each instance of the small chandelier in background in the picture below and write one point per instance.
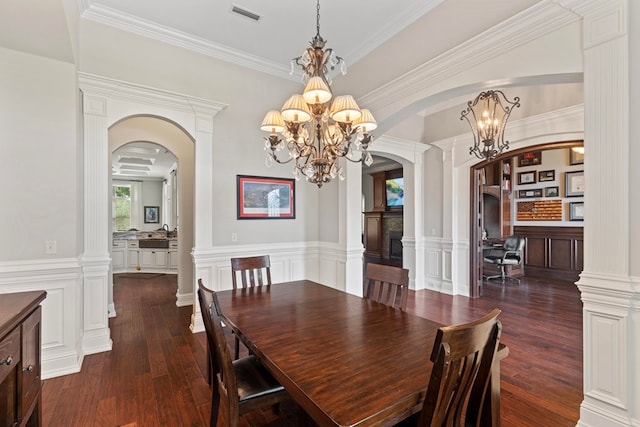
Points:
(317, 131)
(488, 117)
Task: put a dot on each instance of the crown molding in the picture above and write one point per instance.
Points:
(145, 28)
(530, 24)
(107, 87)
(133, 24)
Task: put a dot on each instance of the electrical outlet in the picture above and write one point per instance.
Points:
(50, 247)
(234, 237)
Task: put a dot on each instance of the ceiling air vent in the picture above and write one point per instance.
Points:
(244, 12)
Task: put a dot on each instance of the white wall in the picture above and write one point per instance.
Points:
(152, 196)
(238, 141)
(40, 185)
(38, 179)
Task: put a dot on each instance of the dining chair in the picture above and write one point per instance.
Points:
(253, 271)
(387, 284)
(459, 386)
(239, 386)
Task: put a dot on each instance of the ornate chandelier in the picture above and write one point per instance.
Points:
(488, 118)
(317, 128)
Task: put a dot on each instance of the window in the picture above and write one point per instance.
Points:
(121, 207)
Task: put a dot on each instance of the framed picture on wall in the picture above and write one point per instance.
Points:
(527, 177)
(576, 156)
(552, 192)
(576, 211)
(262, 197)
(574, 184)
(544, 176)
(526, 194)
(151, 214)
(530, 159)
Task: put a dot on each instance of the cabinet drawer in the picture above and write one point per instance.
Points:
(133, 244)
(9, 353)
(120, 244)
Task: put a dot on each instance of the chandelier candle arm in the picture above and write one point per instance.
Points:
(488, 118)
(317, 128)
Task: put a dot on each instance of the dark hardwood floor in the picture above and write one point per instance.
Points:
(155, 374)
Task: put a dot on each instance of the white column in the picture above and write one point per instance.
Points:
(95, 259)
(203, 213)
(611, 316)
(350, 228)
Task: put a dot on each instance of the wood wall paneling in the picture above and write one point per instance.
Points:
(553, 252)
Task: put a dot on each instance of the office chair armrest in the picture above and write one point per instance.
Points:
(515, 254)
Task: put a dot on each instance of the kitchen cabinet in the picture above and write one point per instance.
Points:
(173, 256)
(128, 256)
(133, 256)
(153, 259)
(20, 359)
(119, 256)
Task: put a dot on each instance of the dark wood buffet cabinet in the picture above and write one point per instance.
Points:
(20, 340)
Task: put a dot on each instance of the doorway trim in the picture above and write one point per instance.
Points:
(106, 101)
(475, 238)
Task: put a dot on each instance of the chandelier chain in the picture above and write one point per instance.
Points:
(318, 18)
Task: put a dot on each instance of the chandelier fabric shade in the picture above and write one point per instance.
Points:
(317, 91)
(487, 115)
(317, 128)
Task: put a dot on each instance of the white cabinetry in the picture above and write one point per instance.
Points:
(133, 256)
(173, 256)
(118, 256)
(127, 256)
(153, 259)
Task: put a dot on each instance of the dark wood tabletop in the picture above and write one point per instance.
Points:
(345, 360)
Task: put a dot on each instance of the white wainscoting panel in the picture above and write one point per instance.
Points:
(61, 309)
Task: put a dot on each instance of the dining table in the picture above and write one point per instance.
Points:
(345, 360)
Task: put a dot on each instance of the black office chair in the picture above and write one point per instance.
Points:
(511, 253)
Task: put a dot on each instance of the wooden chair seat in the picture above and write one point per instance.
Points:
(254, 381)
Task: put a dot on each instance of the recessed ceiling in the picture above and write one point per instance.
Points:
(142, 159)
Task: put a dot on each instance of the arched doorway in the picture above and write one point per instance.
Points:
(105, 102)
(484, 200)
(172, 137)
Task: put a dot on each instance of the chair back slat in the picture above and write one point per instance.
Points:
(387, 284)
(225, 382)
(459, 385)
(253, 271)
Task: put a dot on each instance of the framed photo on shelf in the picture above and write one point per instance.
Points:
(576, 157)
(551, 191)
(576, 211)
(530, 159)
(574, 184)
(544, 176)
(260, 197)
(151, 214)
(527, 194)
(527, 177)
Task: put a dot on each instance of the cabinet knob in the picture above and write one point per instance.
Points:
(28, 369)
(8, 361)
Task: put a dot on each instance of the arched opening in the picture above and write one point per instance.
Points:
(172, 137)
(498, 206)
